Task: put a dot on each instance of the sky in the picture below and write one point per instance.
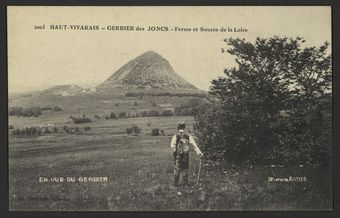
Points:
(40, 58)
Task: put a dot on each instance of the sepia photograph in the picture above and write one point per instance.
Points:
(170, 108)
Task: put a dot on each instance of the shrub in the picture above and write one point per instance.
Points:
(134, 130)
(46, 108)
(140, 94)
(190, 107)
(57, 108)
(27, 131)
(78, 120)
(11, 127)
(34, 131)
(113, 116)
(122, 114)
(26, 112)
(153, 114)
(167, 113)
(157, 132)
(16, 132)
(143, 113)
(15, 111)
(87, 128)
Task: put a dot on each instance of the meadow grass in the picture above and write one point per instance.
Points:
(140, 174)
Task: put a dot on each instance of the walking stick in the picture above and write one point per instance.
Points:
(199, 172)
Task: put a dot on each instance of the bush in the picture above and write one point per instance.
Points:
(134, 130)
(190, 108)
(28, 131)
(144, 114)
(46, 108)
(26, 112)
(15, 131)
(122, 114)
(11, 127)
(113, 116)
(57, 108)
(157, 132)
(153, 114)
(167, 113)
(162, 93)
(78, 120)
(34, 131)
(15, 111)
(87, 128)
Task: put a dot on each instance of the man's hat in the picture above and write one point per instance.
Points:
(181, 125)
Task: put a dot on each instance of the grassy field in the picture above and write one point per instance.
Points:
(98, 104)
(139, 171)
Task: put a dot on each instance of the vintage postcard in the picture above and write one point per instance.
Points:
(224, 108)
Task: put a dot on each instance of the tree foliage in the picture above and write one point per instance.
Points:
(26, 112)
(275, 106)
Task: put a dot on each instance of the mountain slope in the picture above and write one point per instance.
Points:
(63, 90)
(147, 71)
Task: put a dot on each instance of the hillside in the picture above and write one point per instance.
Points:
(147, 71)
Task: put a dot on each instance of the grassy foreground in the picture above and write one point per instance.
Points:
(139, 172)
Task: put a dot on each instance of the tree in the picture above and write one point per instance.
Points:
(274, 106)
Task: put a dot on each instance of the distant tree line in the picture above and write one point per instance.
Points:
(138, 94)
(150, 113)
(190, 108)
(31, 111)
(135, 130)
(274, 107)
(26, 112)
(43, 130)
(78, 120)
(75, 130)
(33, 131)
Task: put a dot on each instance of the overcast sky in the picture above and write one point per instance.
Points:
(41, 58)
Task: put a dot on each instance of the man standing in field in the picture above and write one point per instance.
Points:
(180, 145)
